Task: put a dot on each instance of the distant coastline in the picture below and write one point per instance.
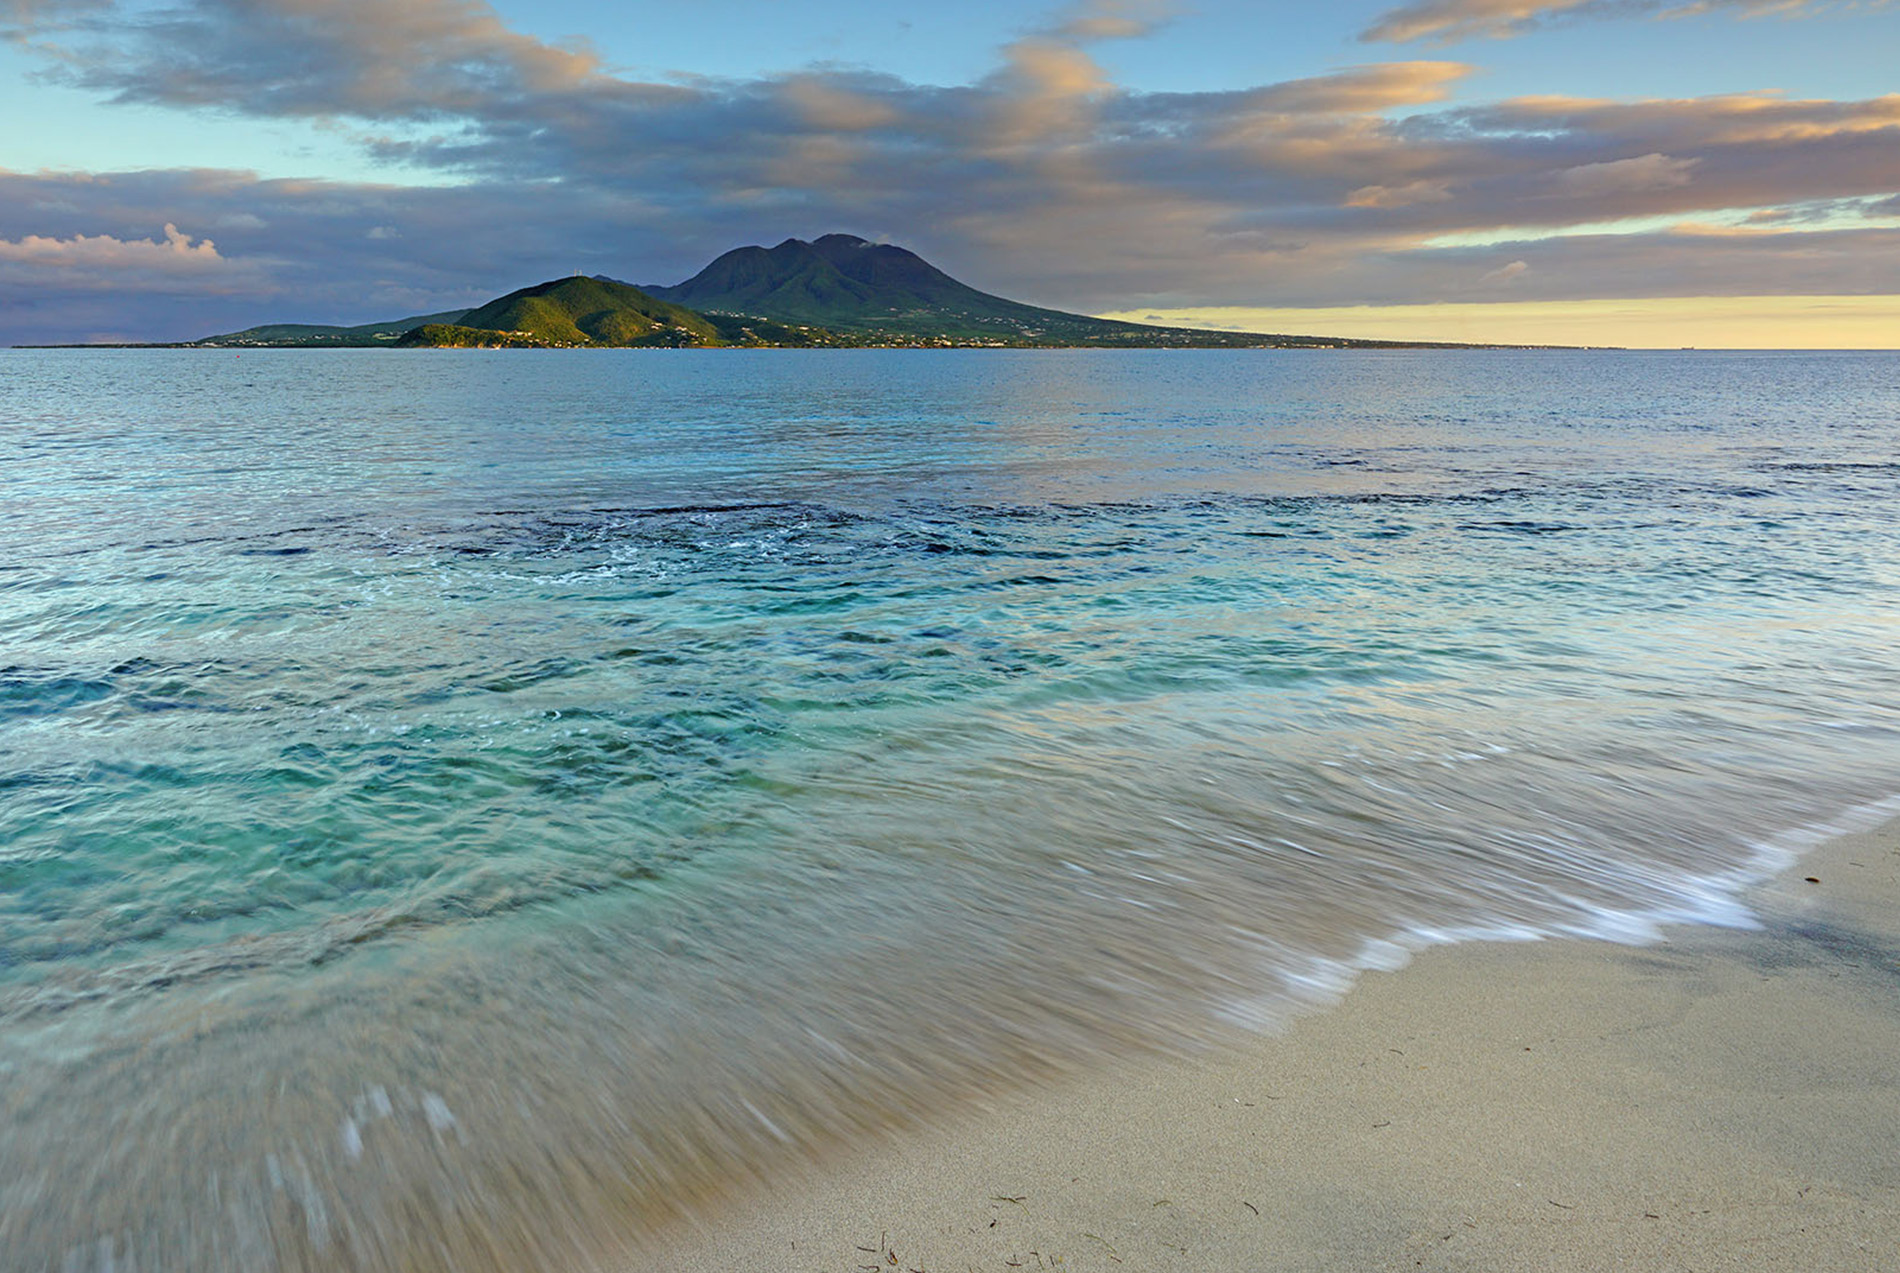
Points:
(1267, 342)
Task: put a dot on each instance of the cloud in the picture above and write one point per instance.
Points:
(422, 59)
(833, 107)
(1110, 19)
(1557, 162)
(1445, 21)
(20, 16)
(1504, 273)
(78, 286)
(1615, 176)
(1362, 89)
(1678, 261)
(286, 251)
(175, 254)
(1401, 196)
(1047, 91)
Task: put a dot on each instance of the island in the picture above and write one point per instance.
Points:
(838, 291)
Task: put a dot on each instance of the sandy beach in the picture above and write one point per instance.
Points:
(1722, 1100)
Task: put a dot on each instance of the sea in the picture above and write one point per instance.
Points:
(466, 809)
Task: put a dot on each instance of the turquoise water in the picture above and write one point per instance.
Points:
(459, 807)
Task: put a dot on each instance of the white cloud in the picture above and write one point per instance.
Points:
(1505, 273)
(175, 254)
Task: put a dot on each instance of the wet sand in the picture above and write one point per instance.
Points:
(1723, 1100)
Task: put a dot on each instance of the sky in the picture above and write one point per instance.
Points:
(1636, 172)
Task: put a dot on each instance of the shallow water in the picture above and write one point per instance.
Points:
(456, 808)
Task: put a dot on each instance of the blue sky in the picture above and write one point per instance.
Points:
(343, 160)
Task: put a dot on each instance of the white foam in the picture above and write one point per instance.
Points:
(436, 1110)
(1306, 982)
(1380, 955)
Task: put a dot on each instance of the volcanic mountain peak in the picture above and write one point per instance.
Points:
(837, 290)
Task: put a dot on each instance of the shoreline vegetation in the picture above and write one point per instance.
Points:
(1723, 1098)
(838, 292)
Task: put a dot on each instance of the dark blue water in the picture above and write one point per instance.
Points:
(456, 807)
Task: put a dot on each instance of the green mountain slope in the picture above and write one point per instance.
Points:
(315, 334)
(850, 285)
(598, 312)
(590, 311)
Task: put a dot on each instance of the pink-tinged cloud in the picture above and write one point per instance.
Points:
(1444, 21)
(1400, 196)
(1047, 91)
(828, 106)
(1361, 90)
(1111, 19)
(1620, 176)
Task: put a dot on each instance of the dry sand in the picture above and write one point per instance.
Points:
(1723, 1100)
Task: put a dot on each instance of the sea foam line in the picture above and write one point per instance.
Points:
(1312, 983)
